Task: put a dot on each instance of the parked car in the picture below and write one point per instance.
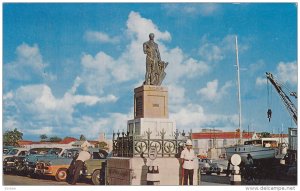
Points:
(15, 152)
(57, 167)
(204, 165)
(215, 168)
(17, 164)
(94, 168)
(50, 153)
(6, 149)
(209, 166)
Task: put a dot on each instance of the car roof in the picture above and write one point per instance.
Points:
(20, 148)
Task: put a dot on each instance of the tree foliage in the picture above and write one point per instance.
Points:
(82, 138)
(265, 134)
(102, 145)
(43, 137)
(11, 138)
(55, 139)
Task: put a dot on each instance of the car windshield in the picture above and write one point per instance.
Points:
(55, 151)
(70, 153)
(5, 151)
(13, 152)
(40, 151)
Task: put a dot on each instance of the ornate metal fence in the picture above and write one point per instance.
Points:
(129, 145)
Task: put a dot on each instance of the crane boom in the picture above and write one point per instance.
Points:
(286, 100)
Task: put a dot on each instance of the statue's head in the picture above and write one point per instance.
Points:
(151, 36)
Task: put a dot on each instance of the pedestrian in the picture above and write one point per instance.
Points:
(83, 156)
(249, 165)
(187, 158)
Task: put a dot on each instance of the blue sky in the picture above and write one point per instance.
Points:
(70, 69)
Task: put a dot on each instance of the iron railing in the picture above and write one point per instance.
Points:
(130, 145)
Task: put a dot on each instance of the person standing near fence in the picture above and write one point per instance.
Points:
(187, 158)
(83, 156)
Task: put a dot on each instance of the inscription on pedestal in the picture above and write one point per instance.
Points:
(139, 106)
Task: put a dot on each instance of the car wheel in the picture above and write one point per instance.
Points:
(61, 175)
(96, 177)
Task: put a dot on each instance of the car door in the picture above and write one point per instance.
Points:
(94, 163)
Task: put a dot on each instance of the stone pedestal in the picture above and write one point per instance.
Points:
(156, 125)
(151, 112)
(151, 102)
(133, 171)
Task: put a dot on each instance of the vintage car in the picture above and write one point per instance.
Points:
(220, 166)
(16, 164)
(209, 166)
(6, 149)
(15, 152)
(58, 166)
(50, 153)
(204, 165)
(94, 168)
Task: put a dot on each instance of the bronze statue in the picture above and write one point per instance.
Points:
(155, 67)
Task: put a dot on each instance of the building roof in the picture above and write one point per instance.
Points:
(221, 135)
(93, 142)
(67, 140)
(24, 142)
(231, 135)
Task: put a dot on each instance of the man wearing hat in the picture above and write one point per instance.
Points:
(83, 156)
(187, 158)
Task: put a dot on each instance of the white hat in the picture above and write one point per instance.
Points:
(189, 142)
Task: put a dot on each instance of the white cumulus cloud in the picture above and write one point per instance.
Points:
(260, 81)
(193, 116)
(192, 9)
(139, 28)
(113, 122)
(40, 131)
(212, 92)
(39, 102)
(287, 72)
(28, 64)
(95, 36)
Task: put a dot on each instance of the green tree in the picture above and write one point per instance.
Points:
(265, 134)
(43, 137)
(82, 138)
(55, 139)
(11, 138)
(102, 145)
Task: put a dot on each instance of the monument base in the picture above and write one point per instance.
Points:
(133, 171)
(156, 125)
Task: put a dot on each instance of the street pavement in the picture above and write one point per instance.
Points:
(206, 180)
(14, 180)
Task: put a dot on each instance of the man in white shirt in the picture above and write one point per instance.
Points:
(83, 156)
(187, 158)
